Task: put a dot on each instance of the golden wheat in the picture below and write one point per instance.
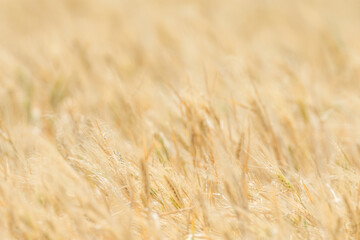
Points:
(201, 119)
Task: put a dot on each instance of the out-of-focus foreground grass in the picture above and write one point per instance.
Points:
(204, 119)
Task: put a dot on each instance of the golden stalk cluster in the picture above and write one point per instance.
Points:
(201, 119)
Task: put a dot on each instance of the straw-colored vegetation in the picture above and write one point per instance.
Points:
(201, 119)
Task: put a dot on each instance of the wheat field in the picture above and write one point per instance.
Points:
(164, 119)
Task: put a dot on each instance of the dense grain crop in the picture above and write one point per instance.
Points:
(202, 119)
